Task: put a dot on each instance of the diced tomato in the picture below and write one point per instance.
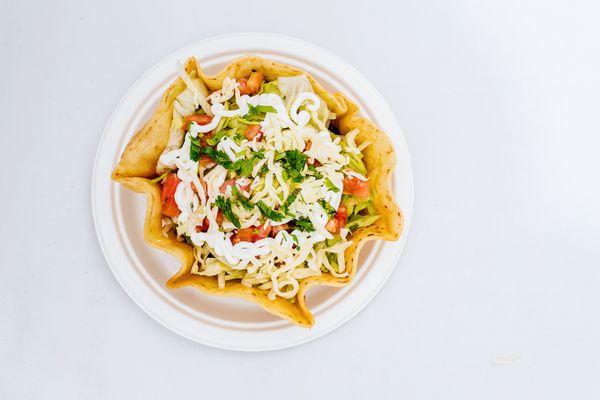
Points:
(253, 131)
(167, 196)
(204, 226)
(251, 234)
(252, 84)
(199, 119)
(169, 186)
(332, 226)
(243, 235)
(338, 221)
(243, 82)
(341, 216)
(261, 232)
(356, 187)
(169, 208)
(256, 79)
(276, 229)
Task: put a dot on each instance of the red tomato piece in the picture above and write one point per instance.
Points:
(243, 235)
(199, 119)
(252, 84)
(261, 232)
(251, 234)
(243, 86)
(169, 186)
(341, 216)
(167, 196)
(253, 131)
(332, 226)
(256, 79)
(356, 187)
(204, 226)
(339, 220)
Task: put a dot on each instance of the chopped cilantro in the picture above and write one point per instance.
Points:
(331, 186)
(225, 206)
(295, 239)
(195, 148)
(218, 156)
(242, 166)
(293, 164)
(279, 156)
(269, 212)
(255, 113)
(290, 200)
(304, 225)
(327, 207)
(239, 197)
(312, 169)
(212, 141)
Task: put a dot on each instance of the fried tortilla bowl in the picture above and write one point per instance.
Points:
(138, 163)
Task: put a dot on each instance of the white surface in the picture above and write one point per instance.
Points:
(499, 104)
(142, 271)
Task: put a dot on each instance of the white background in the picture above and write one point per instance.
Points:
(499, 102)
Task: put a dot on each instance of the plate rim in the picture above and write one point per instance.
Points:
(407, 213)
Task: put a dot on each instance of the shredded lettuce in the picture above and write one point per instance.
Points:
(356, 163)
(304, 225)
(327, 207)
(225, 205)
(362, 221)
(291, 87)
(271, 87)
(268, 212)
(355, 205)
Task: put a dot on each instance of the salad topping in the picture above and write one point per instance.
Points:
(256, 178)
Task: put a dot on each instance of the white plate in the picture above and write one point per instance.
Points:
(142, 271)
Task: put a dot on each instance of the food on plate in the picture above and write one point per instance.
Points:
(261, 182)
